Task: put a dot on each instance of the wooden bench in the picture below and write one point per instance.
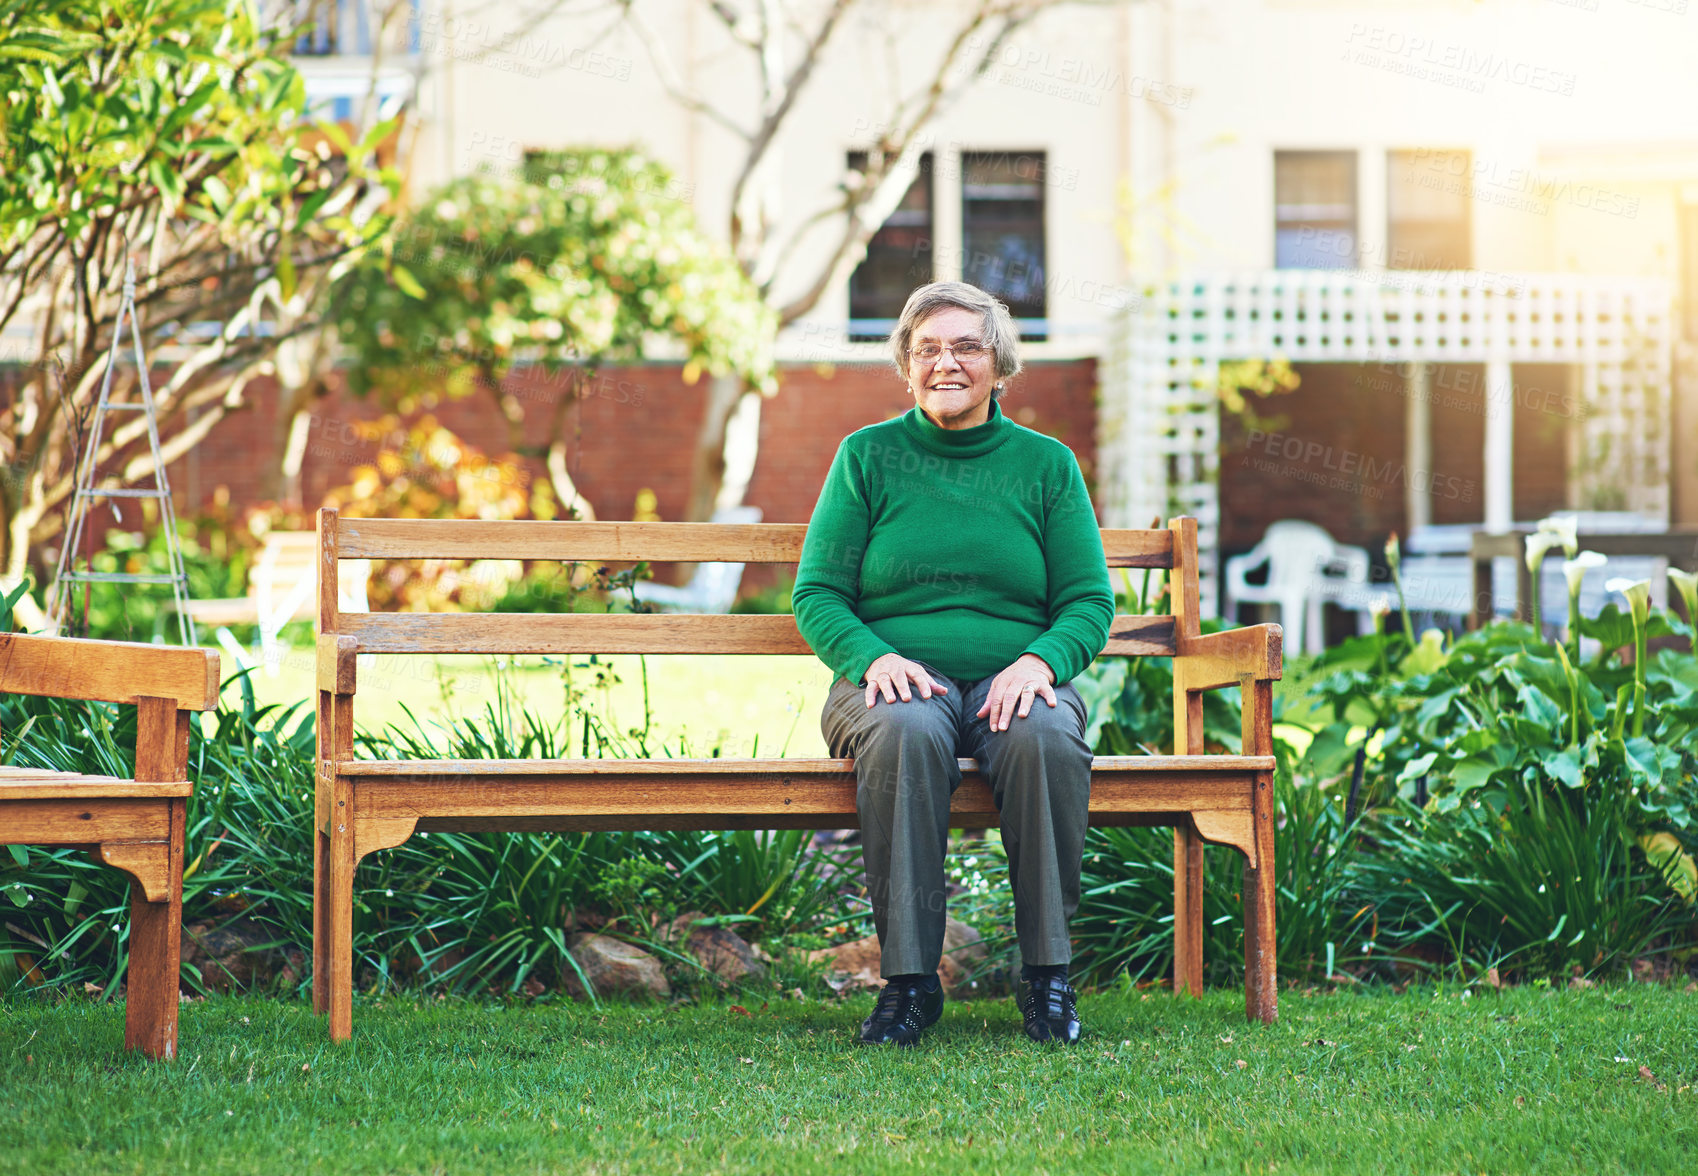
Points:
(364, 805)
(132, 825)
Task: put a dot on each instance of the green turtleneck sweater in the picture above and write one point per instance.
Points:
(961, 548)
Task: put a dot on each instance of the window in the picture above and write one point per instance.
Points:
(332, 28)
(1315, 209)
(1002, 230)
(899, 257)
(1427, 218)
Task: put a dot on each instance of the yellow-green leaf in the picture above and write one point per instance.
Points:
(409, 284)
(1664, 852)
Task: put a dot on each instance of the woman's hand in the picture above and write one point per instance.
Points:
(889, 676)
(1028, 678)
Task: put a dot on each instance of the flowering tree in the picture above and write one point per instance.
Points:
(582, 259)
(173, 132)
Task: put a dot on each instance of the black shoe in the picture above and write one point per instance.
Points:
(902, 1013)
(1051, 1010)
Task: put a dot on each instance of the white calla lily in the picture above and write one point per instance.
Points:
(1574, 570)
(1565, 529)
(1687, 583)
(1539, 544)
(1638, 593)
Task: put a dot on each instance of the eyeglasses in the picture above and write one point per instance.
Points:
(965, 351)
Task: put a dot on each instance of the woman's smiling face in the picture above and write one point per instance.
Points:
(953, 392)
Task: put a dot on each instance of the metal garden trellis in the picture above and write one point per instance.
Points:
(67, 575)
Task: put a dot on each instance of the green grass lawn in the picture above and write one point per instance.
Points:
(1594, 1081)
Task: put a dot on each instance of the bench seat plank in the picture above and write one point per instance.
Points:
(394, 806)
(641, 794)
(73, 820)
(451, 770)
(41, 784)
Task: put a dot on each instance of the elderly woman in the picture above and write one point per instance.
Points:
(953, 577)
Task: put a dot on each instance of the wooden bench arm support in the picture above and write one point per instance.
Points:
(1221, 659)
(107, 671)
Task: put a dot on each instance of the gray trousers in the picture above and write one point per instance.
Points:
(1039, 771)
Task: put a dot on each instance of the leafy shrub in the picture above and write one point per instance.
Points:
(1124, 925)
(1550, 882)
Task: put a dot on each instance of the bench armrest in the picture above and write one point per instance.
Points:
(1221, 659)
(107, 671)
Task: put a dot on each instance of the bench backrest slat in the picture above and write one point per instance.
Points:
(561, 633)
(757, 543)
(107, 671)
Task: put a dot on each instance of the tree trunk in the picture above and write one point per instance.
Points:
(708, 465)
(565, 489)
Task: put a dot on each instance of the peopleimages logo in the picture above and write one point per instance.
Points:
(1342, 468)
(1450, 63)
(1490, 181)
(1033, 68)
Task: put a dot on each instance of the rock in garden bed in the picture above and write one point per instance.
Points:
(718, 949)
(615, 967)
(856, 965)
(241, 955)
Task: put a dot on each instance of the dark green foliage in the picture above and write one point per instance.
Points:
(460, 912)
(1551, 883)
(1458, 807)
(246, 843)
(1125, 920)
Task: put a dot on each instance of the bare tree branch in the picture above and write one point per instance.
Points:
(667, 72)
(789, 91)
(866, 208)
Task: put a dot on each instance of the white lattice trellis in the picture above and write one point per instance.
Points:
(1159, 434)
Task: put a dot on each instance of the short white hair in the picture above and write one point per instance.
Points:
(1001, 335)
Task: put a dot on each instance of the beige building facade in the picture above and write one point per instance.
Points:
(1107, 150)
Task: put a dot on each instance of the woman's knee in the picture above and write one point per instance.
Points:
(1047, 731)
(909, 727)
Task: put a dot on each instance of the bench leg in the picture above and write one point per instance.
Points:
(156, 931)
(1261, 996)
(333, 916)
(320, 920)
(333, 869)
(340, 926)
(1187, 911)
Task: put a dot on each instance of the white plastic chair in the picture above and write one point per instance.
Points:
(1306, 567)
(282, 587)
(713, 589)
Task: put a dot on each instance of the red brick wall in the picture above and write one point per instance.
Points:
(1334, 452)
(632, 428)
